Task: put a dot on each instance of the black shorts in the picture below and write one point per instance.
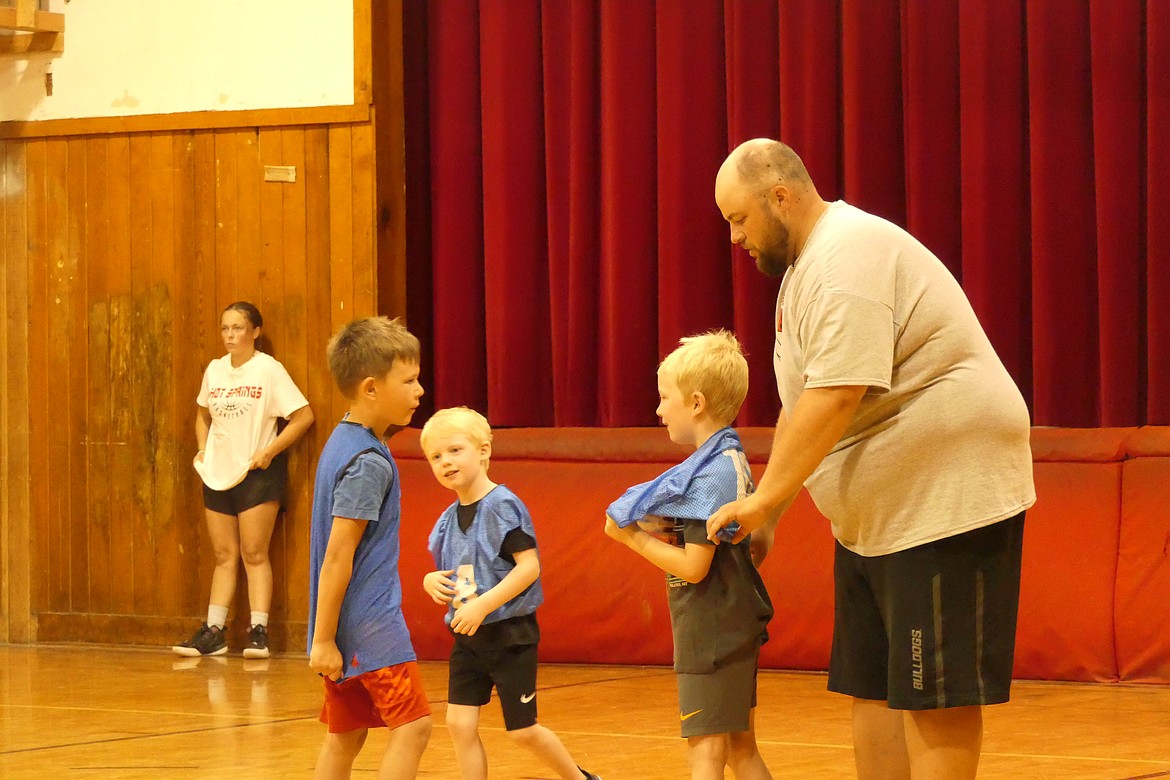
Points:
(511, 669)
(929, 627)
(259, 487)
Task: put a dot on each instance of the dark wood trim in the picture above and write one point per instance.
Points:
(191, 120)
(55, 627)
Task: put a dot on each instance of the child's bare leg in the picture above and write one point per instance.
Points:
(225, 544)
(335, 761)
(707, 754)
(463, 725)
(743, 754)
(256, 526)
(405, 750)
(547, 746)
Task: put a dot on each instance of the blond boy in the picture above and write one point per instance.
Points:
(719, 608)
(488, 576)
(358, 640)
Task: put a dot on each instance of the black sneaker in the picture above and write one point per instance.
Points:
(589, 775)
(257, 643)
(208, 640)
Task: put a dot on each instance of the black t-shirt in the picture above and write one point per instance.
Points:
(521, 630)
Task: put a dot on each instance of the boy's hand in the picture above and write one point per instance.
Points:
(439, 586)
(468, 617)
(657, 526)
(199, 456)
(325, 659)
(623, 535)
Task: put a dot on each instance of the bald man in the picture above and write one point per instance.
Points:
(913, 441)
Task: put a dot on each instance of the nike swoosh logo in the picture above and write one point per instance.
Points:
(689, 715)
(528, 698)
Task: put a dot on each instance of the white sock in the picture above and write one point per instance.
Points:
(259, 619)
(216, 616)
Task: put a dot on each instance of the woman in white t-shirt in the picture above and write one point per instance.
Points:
(242, 461)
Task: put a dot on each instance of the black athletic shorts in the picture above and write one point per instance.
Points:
(929, 627)
(259, 487)
(510, 668)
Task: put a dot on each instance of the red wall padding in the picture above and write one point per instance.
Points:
(604, 604)
(1143, 572)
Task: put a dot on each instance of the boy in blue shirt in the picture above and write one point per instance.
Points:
(488, 576)
(719, 608)
(358, 640)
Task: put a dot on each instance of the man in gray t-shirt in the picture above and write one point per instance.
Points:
(913, 441)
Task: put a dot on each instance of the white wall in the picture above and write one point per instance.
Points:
(126, 57)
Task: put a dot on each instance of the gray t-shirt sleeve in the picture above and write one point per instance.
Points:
(848, 340)
(362, 489)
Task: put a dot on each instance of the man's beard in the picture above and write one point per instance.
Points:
(773, 258)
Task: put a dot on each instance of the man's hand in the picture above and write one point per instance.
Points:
(746, 511)
(469, 616)
(623, 535)
(439, 586)
(325, 659)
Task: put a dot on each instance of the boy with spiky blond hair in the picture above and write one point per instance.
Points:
(488, 576)
(719, 608)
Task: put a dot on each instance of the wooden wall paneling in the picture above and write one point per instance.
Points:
(97, 423)
(37, 237)
(163, 297)
(388, 120)
(5, 479)
(15, 569)
(185, 514)
(362, 221)
(5, 549)
(226, 219)
(298, 356)
(121, 389)
(203, 345)
(270, 261)
(76, 372)
(248, 180)
(317, 247)
(341, 247)
(54, 320)
(143, 379)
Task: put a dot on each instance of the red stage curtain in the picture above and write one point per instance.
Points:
(566, 230)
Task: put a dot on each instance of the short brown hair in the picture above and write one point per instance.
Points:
(368, 347)
(712, 364)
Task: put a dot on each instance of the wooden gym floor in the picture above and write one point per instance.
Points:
(106, 712)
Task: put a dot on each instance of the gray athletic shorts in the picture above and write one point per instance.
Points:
(719, 702)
